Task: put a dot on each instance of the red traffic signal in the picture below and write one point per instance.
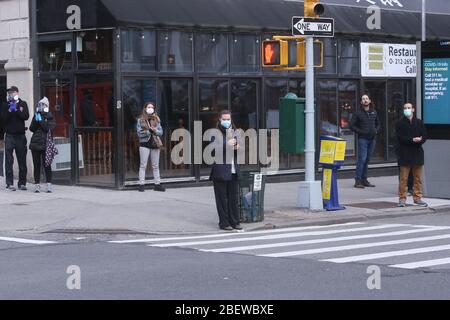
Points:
(275, 53)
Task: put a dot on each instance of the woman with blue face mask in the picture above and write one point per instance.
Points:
(224, 175)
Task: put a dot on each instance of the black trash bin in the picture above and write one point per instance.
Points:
(251, 200)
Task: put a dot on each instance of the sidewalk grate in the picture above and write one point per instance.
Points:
(374, 205)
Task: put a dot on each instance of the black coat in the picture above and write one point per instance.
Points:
(40, 129)
(365, 124)
(14, 122)
(409, 152)
(223, 172)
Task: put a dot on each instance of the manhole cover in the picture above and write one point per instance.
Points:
(374, 205)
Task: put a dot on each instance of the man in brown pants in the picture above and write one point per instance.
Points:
(411, 135)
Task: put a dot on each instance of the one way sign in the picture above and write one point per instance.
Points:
(323, 27)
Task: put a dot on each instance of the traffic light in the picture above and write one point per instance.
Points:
(313, 8)
(275, 53)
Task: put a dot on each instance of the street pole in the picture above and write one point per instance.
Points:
(310, 192)
(424, 21)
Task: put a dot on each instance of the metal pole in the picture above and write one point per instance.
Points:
(424, 21)
(310, 119)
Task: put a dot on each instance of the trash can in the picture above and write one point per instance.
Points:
(251, 196)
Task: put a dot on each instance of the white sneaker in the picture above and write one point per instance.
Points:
(37, 188)
(49, 188)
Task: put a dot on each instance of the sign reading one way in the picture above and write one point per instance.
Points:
(322, 27)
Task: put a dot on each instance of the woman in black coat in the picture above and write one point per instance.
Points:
(41, 124)
(411, 135)
(225, 177)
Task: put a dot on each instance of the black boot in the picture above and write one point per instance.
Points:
(159, 187)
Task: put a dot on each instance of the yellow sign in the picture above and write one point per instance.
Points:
(326, 187)
(340, 150)
(327, 151)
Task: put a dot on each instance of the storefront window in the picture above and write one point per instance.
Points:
(55, 56)
(138, 50)
(211, 52)
(275, 89)
(175, 51)
(377, 92)
(297, 160)
(329, 59)
(245, 53)
(94, 50)
(326, 102)
(348, 104)
(348, 57)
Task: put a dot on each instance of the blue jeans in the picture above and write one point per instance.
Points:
(365, 151)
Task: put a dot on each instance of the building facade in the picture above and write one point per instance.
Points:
(99, 61)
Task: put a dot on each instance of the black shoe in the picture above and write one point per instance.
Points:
(227, 228)
(238, 227)
(368, 184)
(159, 187)
(141, 188)
(22, 188)
(10, 188)
(359, 185)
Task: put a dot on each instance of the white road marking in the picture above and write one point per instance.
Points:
(278, 236)
(286, 230)
(25, 241)
(349, 247)
(317, 241)
(390, 254)
(422, 264)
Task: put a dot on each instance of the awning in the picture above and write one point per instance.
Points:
(276, 15)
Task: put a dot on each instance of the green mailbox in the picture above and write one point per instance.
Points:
(292, 124)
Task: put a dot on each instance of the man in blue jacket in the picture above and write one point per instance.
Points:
(366, 125)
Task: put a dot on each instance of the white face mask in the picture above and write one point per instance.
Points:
(46, 109)
(150, 111)
(16, 97)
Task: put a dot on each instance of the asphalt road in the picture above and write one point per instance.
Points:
(281, 264)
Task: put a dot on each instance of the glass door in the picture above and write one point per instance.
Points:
(94, 119)
(58, 90)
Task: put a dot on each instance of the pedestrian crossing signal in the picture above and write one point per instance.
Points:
(275, 53)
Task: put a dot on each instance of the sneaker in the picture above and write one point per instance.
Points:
(49, 188)
(22, 188)
(410, 193)
(141, 188)
(421, 203)
(238, 227)
(37, 188)
(159, 187)
(359, 185)
(402, 203)
(368, 184)
(227, 228)
(10, 188)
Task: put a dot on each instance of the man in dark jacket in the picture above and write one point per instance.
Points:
(411, 135)
(14, 114)
(225, 176)
(366, 124)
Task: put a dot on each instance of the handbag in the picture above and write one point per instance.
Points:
(50, 150)
(155, 142)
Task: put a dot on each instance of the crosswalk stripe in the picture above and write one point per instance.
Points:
(212, 236)
(390, 254)
(422, 264)
(351, 247)
(278, 236)
(25, 241)
(317, 241)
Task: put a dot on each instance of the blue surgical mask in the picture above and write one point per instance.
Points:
(407, 112)
(225, 123)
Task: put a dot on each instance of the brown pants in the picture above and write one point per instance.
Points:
(403, 187)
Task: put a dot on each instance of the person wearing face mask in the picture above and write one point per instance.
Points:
(411, 135)
(225, 176)
(366, 125)
(43, 122)
(149, 131)
(14, 114)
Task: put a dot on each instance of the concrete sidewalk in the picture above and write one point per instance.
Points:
(187, 210)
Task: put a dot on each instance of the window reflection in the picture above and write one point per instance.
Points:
(55, 56)
(211, 54)
(138, 50)
(175, 51)
(94, 50)
(245, 53)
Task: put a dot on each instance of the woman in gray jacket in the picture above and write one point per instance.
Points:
(149, 131)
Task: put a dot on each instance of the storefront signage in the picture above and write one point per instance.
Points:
(388, 60)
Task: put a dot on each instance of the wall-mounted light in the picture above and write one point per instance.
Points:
(213, 39)
(166, 36)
